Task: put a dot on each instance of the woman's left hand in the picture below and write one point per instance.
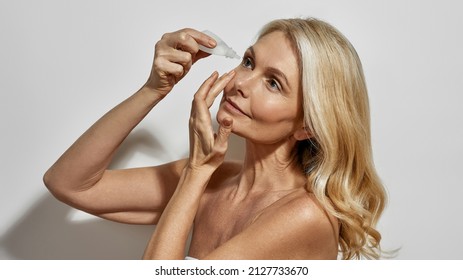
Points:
(207, 149)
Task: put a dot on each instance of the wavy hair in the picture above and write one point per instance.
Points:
(337, 159)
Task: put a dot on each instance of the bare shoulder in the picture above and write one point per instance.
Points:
(301, 205)
(306, 224)
(294, 227)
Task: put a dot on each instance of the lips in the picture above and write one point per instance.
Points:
(235, 106)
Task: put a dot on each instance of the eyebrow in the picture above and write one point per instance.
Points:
(272, 70)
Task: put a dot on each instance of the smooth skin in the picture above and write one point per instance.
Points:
(255, 209)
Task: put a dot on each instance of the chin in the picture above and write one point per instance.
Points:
(221, 114)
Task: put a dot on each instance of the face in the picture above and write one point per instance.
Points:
(264, 98)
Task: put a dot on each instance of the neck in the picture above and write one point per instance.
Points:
(270, 168)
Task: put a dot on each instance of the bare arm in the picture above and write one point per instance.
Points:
(80, 176)
(206, 155)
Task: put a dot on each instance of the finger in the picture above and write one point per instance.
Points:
(201, 38)
(223, 133)
(183, 58)
(176, 41)
(175, 56)
(185, 43)
(218, 87)
(200, 117)
(206, 86)
(164, 65)
(189, 40)
(200, 55)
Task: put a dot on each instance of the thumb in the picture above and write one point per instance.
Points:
(200, 55)
(225, 129)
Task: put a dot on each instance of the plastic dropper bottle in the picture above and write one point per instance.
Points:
(220, 49)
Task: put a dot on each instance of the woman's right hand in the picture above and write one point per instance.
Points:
(80, 177)
(174, 55)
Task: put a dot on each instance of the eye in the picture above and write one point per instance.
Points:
(247, 62)
(274, 85)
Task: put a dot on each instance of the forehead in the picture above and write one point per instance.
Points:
(276, 50)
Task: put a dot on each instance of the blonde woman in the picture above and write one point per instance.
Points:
(307, 188)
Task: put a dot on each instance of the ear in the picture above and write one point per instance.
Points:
(302, 134)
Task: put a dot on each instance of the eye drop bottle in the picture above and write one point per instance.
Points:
(220, 49)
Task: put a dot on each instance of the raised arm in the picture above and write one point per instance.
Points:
(80, 177)
(207, 151)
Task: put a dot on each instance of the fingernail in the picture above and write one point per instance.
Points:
(231, 73)
(211, 43)
(227, 123)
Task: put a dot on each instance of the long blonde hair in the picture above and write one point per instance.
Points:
(338, 157)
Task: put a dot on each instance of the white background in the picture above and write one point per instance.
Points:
(65, 63)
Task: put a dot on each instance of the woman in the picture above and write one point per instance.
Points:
(307, 187)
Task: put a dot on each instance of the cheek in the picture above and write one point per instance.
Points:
(272, 111)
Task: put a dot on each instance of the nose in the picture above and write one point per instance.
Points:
(244, 83)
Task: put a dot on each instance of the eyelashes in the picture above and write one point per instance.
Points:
(247, 62)
(271, 81)
(274, 84)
